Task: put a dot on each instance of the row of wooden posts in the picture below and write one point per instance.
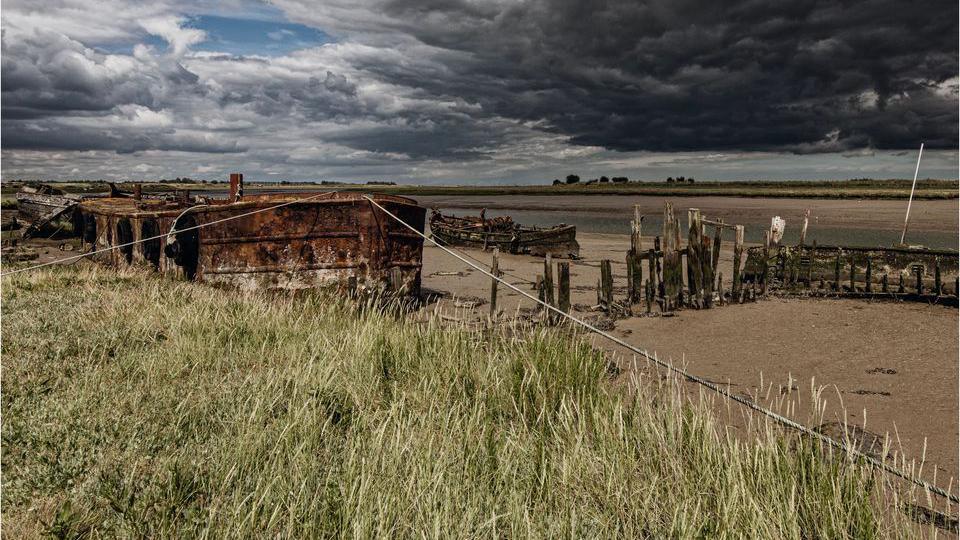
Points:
(664, 286)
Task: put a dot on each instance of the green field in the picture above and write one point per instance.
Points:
(137, 406)
(838, 189)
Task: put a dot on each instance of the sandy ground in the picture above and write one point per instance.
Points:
(935, 215)
(889, 367)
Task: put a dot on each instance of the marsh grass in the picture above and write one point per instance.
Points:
(138, 406)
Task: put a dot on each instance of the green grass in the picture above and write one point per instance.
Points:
(138, 406)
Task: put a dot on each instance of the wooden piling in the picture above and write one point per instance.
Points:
(766, 262)
(902, 287)
(719, 288)
(695, 263)
(869, 275)
(548, 295)
(707, 272)
(937, 284)
(648, 288)
(919, 271)
(803, 229)
(884, 283)
(563, 281)
(495, 270)
(737, 256)
(836, 272)
(606, 285)
(672, 276)
(853, 274)
(717, 239)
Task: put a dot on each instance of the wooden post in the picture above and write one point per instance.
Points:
(869, 275)
(836, 272)
(766, 262)
(717, 239)
(853, 274)
(636, 227)
(919, 279)
(937, 285)
(803, 229)
(563, 294)
(548, 296)
(695, 263)
(902, 287)
(540, 291)
(606, 285)
(672, 277)
(652, 265)
(236, 187)
(720, 287)
(138, 191)
(884, 283)
(737, 256)
(649, 295)
(495, 270)
(707, 272)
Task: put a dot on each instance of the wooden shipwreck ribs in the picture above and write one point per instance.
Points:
(503, 233)
(332, 239)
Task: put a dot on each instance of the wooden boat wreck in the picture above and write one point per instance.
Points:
(333, 239)
(502, 232)
(40, 204)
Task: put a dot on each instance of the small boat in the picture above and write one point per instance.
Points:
(36, 201)
(333, 239)
(502, 232)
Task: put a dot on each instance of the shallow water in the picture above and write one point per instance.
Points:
(607, 223)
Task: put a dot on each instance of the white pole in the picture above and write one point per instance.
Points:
(910, 203)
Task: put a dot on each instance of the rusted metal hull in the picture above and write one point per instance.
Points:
(559, 241)
(334, 240)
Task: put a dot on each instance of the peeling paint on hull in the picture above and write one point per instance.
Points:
(322, 242)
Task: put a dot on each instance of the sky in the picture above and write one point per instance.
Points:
(486, 91)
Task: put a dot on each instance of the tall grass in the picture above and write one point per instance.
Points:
(136, 406)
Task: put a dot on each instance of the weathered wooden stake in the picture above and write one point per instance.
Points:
(563, 294)
(937, 285)
(695, 263)
(884, 283)
(766, 262)
(649, 295)
(737, 256)
(548, 296)
(540, 291)
(606, 285)
(902, 287)
(853, 275)
(869, 275)
(803, 229)
(717, 238)
(919, 279)
(495, 270)
(720, 287)
(352, 286)
(836, 272)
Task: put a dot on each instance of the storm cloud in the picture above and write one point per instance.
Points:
(495, 87)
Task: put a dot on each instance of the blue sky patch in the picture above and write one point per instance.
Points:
(255, 36)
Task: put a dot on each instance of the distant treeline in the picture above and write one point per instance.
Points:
(575, 179)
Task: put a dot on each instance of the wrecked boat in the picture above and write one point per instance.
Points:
(332, 239)
(502, 232)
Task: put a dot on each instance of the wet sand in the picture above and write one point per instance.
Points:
(889, 367)
(927, 215)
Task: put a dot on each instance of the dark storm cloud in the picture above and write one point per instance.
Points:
(799, 76)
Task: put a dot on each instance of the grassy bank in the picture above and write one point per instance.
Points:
(137, 406)
(821, 189)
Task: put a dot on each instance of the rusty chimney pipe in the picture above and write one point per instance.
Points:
(236, 186)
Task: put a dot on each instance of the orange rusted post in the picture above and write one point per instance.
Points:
(236, 186)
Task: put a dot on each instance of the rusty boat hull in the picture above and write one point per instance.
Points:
(333, 240)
